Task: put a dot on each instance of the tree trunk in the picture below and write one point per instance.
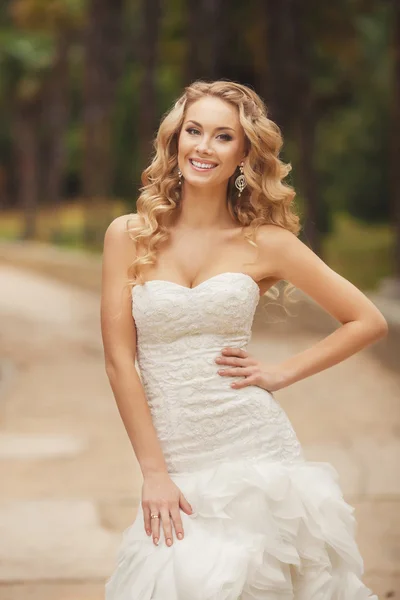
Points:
(195, 17)
(289, 68)
(55, 118)
(103, 64)
(306, 122)
(275, 83)
(25, 139)
(207, 26)
(55, 110)
(395, 139)
(151, 18)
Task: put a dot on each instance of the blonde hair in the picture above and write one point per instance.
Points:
(266, 199)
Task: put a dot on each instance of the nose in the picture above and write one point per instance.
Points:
(203, 147)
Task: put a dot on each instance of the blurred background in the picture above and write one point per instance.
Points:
(83, 85)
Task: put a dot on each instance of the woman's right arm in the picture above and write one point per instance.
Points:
(160, 494)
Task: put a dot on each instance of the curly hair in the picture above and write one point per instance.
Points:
(266, 198)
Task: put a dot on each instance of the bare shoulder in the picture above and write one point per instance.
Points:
(275, 246)
(117, 233)
(119, 246)
(274, 237)
(119, 226)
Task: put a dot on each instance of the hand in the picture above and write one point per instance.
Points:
(161, 496)
(242, 364)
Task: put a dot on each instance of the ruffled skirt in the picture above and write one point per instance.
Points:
(261, 530)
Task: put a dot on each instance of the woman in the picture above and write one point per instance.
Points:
(230, 507)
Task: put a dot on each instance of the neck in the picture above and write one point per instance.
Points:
(204, 208)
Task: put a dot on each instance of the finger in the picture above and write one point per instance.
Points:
(166, 523)
(232, 360)
(185, 505)
(235, 372)
(235, 352)
(244, 382)
(155, 525)
(177, 521)
(146, 519)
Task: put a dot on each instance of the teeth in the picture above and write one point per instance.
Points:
(202, 165)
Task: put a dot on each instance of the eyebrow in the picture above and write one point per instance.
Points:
(216, 129)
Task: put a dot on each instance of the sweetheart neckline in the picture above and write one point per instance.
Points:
(191, 289)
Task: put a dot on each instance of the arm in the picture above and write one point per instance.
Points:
(160, 495)
(119, 342)
(288, 258)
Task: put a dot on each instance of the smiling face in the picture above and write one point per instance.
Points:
(211, 143)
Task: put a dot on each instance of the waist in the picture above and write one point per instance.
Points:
(201, 420)
(188, 361)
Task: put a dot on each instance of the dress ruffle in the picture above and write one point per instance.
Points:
(261, 530)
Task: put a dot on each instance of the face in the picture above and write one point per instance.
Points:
(211, 142)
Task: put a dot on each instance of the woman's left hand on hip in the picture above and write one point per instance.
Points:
(236, 362)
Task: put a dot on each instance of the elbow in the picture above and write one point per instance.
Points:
(379, 328)
(109, 369)
(114, 368)
(372, 328)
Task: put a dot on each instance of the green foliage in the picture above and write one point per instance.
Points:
(24, 58)
(362, 253)
(29, 49)
(353, 138)
(42, 15)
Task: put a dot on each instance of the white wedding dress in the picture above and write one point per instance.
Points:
(267, 524)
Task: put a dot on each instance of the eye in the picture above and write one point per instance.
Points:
(191, 129)
(226, 137)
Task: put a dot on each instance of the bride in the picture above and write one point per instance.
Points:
(230, 508)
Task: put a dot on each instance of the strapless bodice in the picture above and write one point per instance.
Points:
(198, 417)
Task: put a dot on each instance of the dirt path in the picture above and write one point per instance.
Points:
(70, 482)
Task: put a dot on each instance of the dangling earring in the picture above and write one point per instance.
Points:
(180, 176)
(240, 181)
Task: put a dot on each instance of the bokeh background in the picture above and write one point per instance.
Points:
(83, 85)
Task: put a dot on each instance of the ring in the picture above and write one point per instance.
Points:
(154, 516)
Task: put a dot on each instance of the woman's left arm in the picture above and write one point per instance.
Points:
(362, 322)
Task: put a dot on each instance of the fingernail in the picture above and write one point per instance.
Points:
(169, 541)
(156, 541)
(180, 536)
(148, 531)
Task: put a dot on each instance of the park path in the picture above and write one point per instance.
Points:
(70, 482)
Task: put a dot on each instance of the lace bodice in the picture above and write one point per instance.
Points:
(199, 418)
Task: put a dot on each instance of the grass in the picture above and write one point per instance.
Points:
(362, 253)
(64, 227)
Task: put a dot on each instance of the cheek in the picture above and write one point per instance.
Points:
(230, 159)
(181, 145)
(185, 146)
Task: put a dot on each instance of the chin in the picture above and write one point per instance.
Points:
(198, 182)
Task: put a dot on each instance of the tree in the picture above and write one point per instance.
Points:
(104, 46)
(287, 84)
(206, 33)
(395, 140)
(148, 55)
(25, 58)
(38, 56)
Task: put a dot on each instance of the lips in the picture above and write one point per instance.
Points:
(198, 164)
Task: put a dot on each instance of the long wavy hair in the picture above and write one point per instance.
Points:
(266, 199)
